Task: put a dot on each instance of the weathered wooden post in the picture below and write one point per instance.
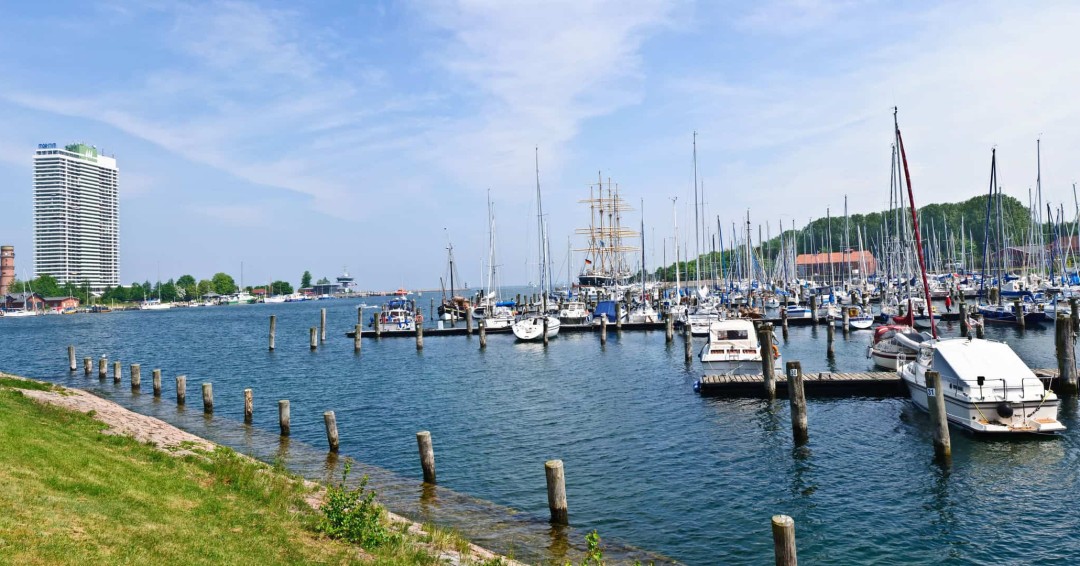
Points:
(669, 328)
(431, 312)
(156, 379)
(208, 398)
(357, 338)
(375, 323)
(419, 336)
(1018, 312)
(556, 490)
(962, 311)
(283, 416)
(813, 309)
(331, 430)
(273, 330)
(980, 329)
(103, 367)
(768, 370)
(87, 365)
(427, 455)
(935, 398)
(322, 325)
(181, 389)
(1065, 344)
(1074, 312)
(846, 318)
(314, 338)
(688, 343)
(71, 359)
(797, 397)
(830, 333)
(136, 376)
(603, 330)
(116, 372)
(783, 535)
(618, 317)
(483, 333)
(468, 321)
(783, 321)
(545, 330)
(249, 406)
(360, 315)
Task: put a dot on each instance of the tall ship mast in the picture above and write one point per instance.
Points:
(605, 262)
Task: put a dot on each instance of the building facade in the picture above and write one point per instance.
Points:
(838, 266)
(76, 216)
(7, 269)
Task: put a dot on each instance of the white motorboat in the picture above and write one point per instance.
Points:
(575, 312)
(154, 305)
(895, 344)
(643, 313)
(987, 387)
(495, 316)
(398, 315)
(18, 313)
(733, 348)
(532, 327)
(857, 318)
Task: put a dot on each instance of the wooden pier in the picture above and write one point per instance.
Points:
(826, 384)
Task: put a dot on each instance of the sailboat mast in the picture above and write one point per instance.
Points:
(540, 233)
(915, 225)
(697, 230)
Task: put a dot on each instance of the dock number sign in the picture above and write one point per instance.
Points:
(931, 392)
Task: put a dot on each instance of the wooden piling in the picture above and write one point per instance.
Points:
(797, 397)
(483, 333)
(357, 339)
(545, 319)
(249, 406)
(783, 534)
(603, 330)
(87, 365)
(1065, 346)
(468, 321)
(688, 343)
(830, 333)
(427, 455)
(618, 317)
(103, 367)
(136, 376)
(283, 416)
(768, 369)
(1074, 313)
(360, 316)
(156, 379)
(419, 336)
(378, 329)
(208, 398)
(72, 365)
(556, 490)
(980, 329)
(331, 430)
(314, 338)
(181, 389)
(273, 330)
(813, 308)
(935, 398)
(322, 325)
(669, 328)
(116, 372)
(962, 310)
(1018, 312)
(845, 319)
(783, 321)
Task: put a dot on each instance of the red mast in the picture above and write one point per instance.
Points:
(915, 223)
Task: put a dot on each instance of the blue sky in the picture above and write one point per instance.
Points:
(289, 136)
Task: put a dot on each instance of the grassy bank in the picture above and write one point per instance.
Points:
(70, 494)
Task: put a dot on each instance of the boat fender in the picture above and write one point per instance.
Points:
(1005, 410)
(697, 386)
(775, 352)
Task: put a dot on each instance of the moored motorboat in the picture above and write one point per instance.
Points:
(895, 344)
(733, 348)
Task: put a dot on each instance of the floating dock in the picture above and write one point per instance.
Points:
(825, 384)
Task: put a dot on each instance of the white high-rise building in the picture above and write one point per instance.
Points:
(76, 216)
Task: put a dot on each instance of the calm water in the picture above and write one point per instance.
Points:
(649, 463)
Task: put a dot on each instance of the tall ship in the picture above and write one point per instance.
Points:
(605, 264)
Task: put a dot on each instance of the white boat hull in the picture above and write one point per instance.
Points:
(532, 328)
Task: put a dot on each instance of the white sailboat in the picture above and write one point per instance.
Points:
(495, 313)
(542, 324)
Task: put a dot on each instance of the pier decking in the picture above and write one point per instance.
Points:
(825, 384)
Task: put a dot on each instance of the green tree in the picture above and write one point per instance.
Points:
(187, 287)
(281, 288)
(305, 280)
(204, 286)
(169, 291)
(223, 283)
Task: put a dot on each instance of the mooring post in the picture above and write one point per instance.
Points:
(768, 369)
(71, 359)
(116, 371)
(556, 490)
(813, 309)
(208, 398)
(783, 320)
(273, 329)
(468, 321)
(136, 376)
(669, 328)
(845, 319)
(87, 365)
(483, 333)
(1018, 312)
(783, 535)
(357, 338)
(797, 397)
(935, 398)
(331, 430)
(830, 333)
(545, 318)
(688, 343)
(419, 336)
(980, 328)
(962, 311)
(322, 325)
(375, 323)
(181, 389)
(1074, 313)
(103, 367)
(249, 406)
(1064, 342)
(314, 338)
(427, 455)
(603, 329)
(360, 315)
(283, 416)
(156, 379)
(618, 317)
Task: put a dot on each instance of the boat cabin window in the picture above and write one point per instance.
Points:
(733, 334)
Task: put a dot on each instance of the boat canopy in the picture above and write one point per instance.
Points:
(966, 360)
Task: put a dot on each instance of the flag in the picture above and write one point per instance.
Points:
(587, 262)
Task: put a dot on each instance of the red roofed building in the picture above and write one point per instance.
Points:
(819, 267)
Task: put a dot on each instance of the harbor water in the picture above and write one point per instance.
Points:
(649, 464)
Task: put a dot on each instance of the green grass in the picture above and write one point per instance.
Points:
(70, 494)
